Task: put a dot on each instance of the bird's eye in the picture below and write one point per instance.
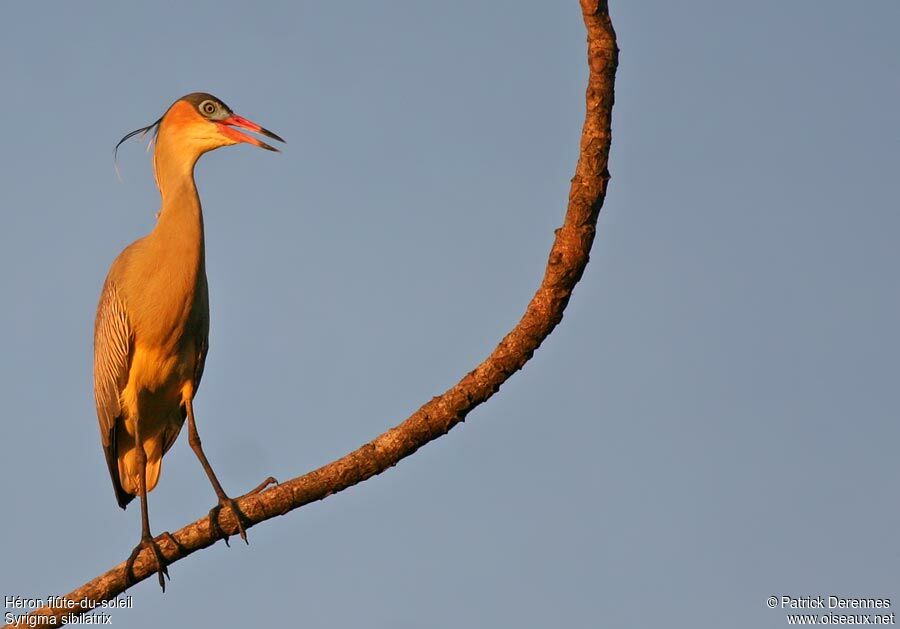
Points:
(208, 107)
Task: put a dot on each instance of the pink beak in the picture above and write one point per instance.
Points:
(227, 125)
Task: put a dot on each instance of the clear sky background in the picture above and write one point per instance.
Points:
(714, 422)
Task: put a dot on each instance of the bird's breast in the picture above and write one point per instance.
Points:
(169, 326)
(171, 303)
(162, 372)
(157, 382)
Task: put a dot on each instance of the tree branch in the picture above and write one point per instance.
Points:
(568, 258)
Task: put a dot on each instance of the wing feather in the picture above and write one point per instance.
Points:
(113, 347)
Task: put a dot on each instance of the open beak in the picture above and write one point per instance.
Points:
(227, 125)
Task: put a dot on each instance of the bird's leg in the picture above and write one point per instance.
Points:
(147, 540)
(224, 500)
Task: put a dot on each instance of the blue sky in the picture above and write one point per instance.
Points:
(714, 422)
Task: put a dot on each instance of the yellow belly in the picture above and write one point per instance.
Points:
(158, 382)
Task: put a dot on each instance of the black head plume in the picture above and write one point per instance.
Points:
(141, 132)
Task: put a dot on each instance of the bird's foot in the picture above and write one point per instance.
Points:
(161, 562)
(238, 516)
(242, 521)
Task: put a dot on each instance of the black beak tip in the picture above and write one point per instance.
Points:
(274, 136)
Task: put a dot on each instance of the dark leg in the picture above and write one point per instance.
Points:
(224, 500)
(147, 540)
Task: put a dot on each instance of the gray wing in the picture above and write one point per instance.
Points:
(202, 335)
(201, 362)
(113, 345)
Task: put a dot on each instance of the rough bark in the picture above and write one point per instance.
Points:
(568, 258)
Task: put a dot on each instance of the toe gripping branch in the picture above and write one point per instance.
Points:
(243, 522)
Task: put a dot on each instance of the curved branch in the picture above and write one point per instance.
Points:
(568, 258)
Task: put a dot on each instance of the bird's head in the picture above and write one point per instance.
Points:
(198, 123)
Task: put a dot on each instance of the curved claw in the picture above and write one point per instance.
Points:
(161, 562)
(239, 517)
(214, 524)
(242, 521)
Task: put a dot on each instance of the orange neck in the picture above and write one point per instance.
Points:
(180, 215)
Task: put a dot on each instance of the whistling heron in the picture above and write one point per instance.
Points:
(152, 328)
